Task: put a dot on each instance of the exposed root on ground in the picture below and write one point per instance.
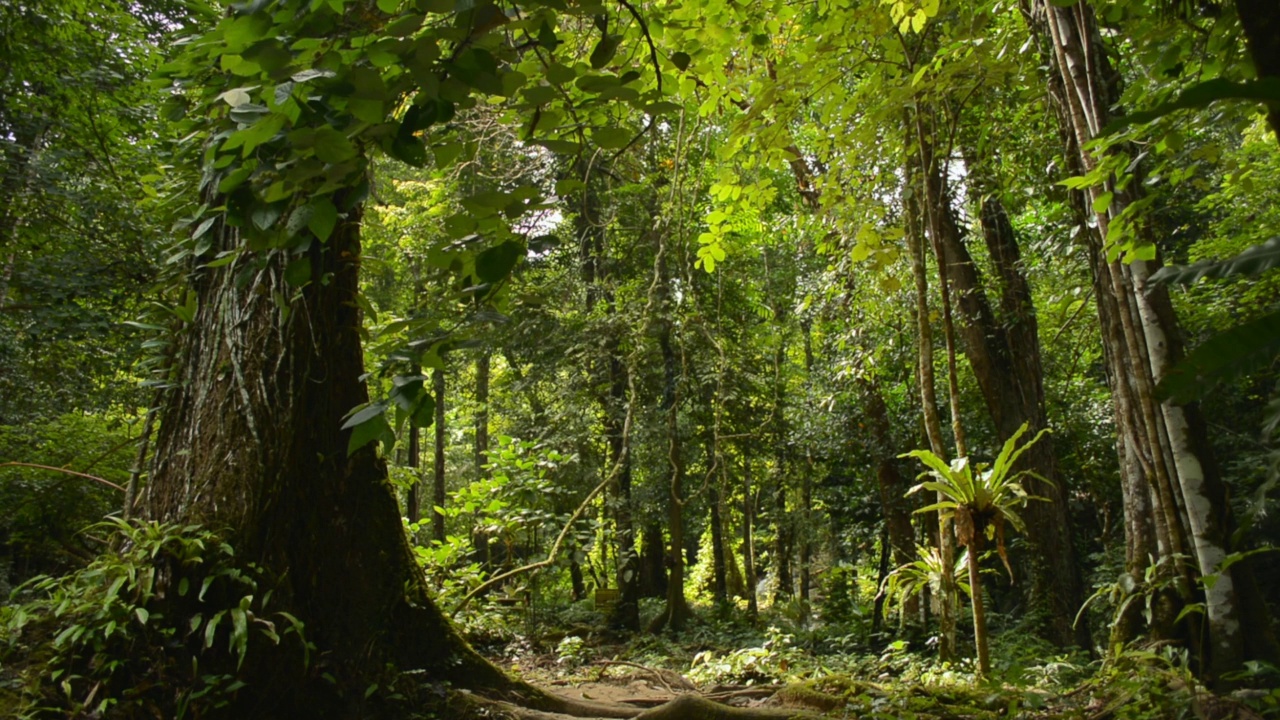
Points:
(668, 678)
(683, 707)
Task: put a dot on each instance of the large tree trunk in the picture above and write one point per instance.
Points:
(251, 444)
(1005, 357)
(1175, 445)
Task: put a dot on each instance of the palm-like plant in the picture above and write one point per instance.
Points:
(925, 572)
(982, 498)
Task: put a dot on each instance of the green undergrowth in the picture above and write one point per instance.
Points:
(826, 670)
(158, 625)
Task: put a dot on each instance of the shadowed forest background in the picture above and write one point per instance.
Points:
(564, 358)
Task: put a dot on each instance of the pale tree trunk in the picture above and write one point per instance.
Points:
(438, 484)
(1088, 93)
(412, 502)
(929, 404)
(748, 539)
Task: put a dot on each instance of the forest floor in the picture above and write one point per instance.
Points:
(767, 669)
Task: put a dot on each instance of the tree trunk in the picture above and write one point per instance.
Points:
(979, 613)
(719, 573)
(929, 404)
(748, 541)
(1261, 24)
(1087, 94)
(437, 486)
(676, 614)
(483, 543)
(411, 510)
(653, 571)
(900, 536)
(250, 442)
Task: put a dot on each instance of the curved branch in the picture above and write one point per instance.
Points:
(564, 532)
(65, 471)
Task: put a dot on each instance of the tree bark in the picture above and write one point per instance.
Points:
(677, 613)
(250, 442)
(1087, 96)
(748, 540)
(719, 572)
(438, 485)
(900, 536)
(1261, 24)
(915, 241)
(414, 453)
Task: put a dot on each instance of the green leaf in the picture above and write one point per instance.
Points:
(235, 179)
(681, 60)
(445, 154)
(332, 146)
(367, 425)
(604, 51)
(1252, 262)
(1227, 355)
(323, 218)
(547, 36)
(1202, 95)
(611, 138)
(424, 412)
(364, 414)
(409, 150)
(496, 263)
(298, 272)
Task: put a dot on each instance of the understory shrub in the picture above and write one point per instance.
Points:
(159, 625)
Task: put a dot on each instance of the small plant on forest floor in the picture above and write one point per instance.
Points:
(981, 498)
(573, 651)
(776, 659)
(129, 632)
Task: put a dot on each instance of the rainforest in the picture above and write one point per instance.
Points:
(705, 360)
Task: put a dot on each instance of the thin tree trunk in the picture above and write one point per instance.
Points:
(748, 541)
(979, 613)
(719, 572)
(929, 403)
(483, 543)
(677, 613)
(438, 486)
(412, 510)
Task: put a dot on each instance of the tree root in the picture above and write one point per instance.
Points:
(666, 677)
(684, 707)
